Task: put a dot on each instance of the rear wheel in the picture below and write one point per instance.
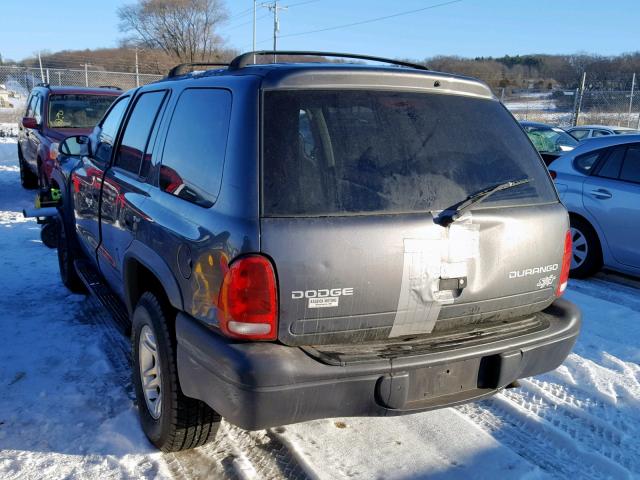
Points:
(28, 179)
(586, 255)
(67, 255)
(171, 421)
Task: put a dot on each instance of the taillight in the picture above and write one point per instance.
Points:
(566, 265)
(248, 300)
(553, 174)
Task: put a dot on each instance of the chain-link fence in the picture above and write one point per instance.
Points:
(586, 105)
(17, 82)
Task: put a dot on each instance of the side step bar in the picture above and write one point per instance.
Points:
(103, 293)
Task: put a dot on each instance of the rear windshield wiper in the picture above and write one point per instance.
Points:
(450, 215)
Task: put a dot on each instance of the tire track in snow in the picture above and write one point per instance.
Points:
(539, 441)
(234, 454)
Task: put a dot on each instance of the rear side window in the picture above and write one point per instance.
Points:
(631, 166)
(334, 152)
(600, 133)
(612, 164)
(136, 134)
(584, 163)
(195, 147)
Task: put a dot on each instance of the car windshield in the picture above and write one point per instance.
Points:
(550, 139)
(337, 152)
(77, 110)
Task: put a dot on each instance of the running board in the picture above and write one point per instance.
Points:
(109, 300)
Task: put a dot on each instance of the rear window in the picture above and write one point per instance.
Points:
(77, 110)
(335, 152)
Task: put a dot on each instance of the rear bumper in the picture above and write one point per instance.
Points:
(260, 385)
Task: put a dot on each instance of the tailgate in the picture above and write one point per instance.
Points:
(355, 279)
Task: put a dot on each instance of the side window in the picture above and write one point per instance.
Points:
(579, 134)
(600, 133)
(611, 166)
(136, 134)
(30, 103)
(37, 110)
(631, 167)
(195, 146)
(109, 130)
(584, 163)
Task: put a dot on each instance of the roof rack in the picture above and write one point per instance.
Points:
(43, 84)
(176, 71)
(248, 58)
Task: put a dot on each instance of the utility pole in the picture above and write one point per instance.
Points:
(41, 69)
(580, 94)
(137, 72)
(275, 8)
(255, 6)
(633, 87)
(86, 74)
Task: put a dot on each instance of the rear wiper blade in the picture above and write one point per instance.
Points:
(450, 215)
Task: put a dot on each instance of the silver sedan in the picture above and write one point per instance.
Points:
(599, 183)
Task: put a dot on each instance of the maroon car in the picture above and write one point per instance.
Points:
(52, 114)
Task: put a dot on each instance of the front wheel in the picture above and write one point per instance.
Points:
(67, 255)
(171, 421)
(28, 180)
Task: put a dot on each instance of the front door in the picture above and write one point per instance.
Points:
(124, 189)
(87, 179)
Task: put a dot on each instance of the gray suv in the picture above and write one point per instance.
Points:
(293, 241)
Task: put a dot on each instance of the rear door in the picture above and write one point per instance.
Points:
(352, 183)
(87, 179)
(124, 189)
(612, 196)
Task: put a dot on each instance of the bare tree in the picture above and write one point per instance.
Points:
(185, 29)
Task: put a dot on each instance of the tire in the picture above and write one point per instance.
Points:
(171, 421)
(67, 255)
(28, 179)
(586, 257)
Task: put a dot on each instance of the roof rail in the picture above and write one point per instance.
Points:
(245, 59)
(43, 84)
(176, 71)
(110, 87)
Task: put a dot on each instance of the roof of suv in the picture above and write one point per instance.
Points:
(79, 90)
(316, 74)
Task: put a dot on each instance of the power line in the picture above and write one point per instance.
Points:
(371, 20)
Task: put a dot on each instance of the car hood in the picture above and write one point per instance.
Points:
(59, 134)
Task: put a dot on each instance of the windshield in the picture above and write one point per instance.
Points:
(77, 110)
(550, 139)
(333, 152)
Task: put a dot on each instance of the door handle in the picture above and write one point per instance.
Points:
(601, 193)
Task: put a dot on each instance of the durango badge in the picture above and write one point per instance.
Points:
(533, 271)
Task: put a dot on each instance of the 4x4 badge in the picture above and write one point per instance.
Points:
(545, 282)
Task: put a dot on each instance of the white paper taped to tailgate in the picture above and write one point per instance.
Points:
(446, 254)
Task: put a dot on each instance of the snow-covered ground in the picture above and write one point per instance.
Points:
(66, 409)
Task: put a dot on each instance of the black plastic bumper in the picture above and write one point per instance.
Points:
(260, 385)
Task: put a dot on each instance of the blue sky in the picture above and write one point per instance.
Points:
(466, 28)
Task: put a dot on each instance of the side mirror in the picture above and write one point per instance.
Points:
(30, 122)
(75, 146)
